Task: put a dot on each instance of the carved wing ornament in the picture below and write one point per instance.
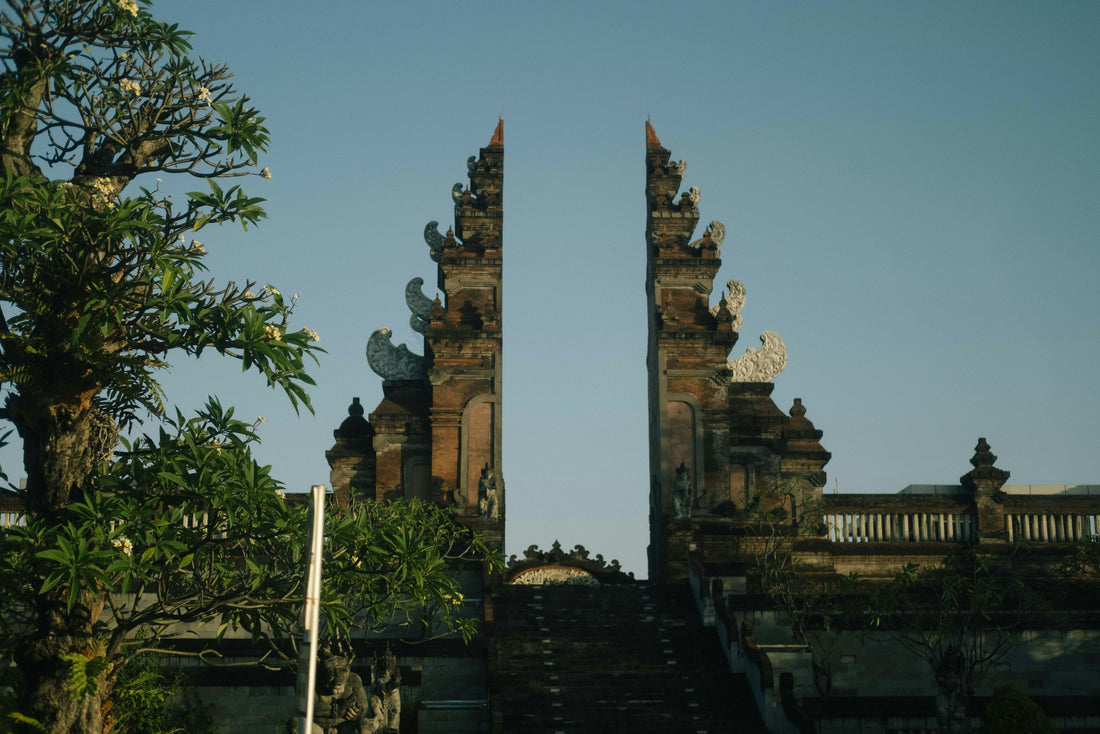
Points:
(419, 304)
(733, 302)
(676, 168)
(393, 363)
(716, 231)
(762, 365)
(434, 240)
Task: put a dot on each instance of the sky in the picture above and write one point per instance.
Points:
(911, 194)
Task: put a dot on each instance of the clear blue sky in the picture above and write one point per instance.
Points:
(911, 193)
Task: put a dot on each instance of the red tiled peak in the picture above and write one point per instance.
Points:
(498, 134)
(651, 140)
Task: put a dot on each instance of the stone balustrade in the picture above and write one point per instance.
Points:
(11, 510)
(1051, 527)
(946, 514)
(894, 527)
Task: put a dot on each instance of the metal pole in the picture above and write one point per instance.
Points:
(311, 610)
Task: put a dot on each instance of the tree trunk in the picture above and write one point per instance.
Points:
(62, 442)
(46, 693)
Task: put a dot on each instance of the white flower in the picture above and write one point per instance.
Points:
(123, 543)
(273, 290)
(249, 294)
(204, 95)
(129, 6)
(129, 86)
(313, 336)
(104, 188)
(273, 333)
(266, 173)
(260, 419)
(197, 247)
(281, 494)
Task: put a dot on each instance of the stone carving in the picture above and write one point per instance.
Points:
(555, 576)
(341, 704)
(456, 194)
(471, 165)
(683, 494)
(488, 501)
(733, 302)
(434, 240)
(419, 304)
(393, 363)
(677, 168)
(693, 195)
(575, 560)
(715, 232)
(762, 365)
(386, 690)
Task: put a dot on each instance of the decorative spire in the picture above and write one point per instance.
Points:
(355, 425)
(651, 140)
(982, 462)
(498, 134)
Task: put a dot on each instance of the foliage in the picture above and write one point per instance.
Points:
(150, 703)
(1009, 711)
(102, 285)
(1082, 563)
(186, 527)
(959, 617)
(776, 518)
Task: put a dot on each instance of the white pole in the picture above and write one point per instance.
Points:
(311, 612)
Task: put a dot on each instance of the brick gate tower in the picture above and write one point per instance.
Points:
(715, 436)
(437, 432)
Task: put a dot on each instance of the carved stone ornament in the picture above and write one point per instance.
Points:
(471, 165)
(693, 195)
(576, 560)
(677, 168)
(434, 240)
(555, 576)
(393, 363)
(716, 233)
(457, 194)
(760, 365)
(419, 304)
(733, 302)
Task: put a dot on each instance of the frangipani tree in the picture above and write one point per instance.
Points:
(102, 284)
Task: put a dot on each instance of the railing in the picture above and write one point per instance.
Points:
(899, 527)
(953, 518)
(11, 511)
(1051, 527)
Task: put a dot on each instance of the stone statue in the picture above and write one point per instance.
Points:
(342, 704)
(386, 690)
(682, 494)
(487, 500)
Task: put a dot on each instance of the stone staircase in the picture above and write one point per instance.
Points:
(613, 658)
